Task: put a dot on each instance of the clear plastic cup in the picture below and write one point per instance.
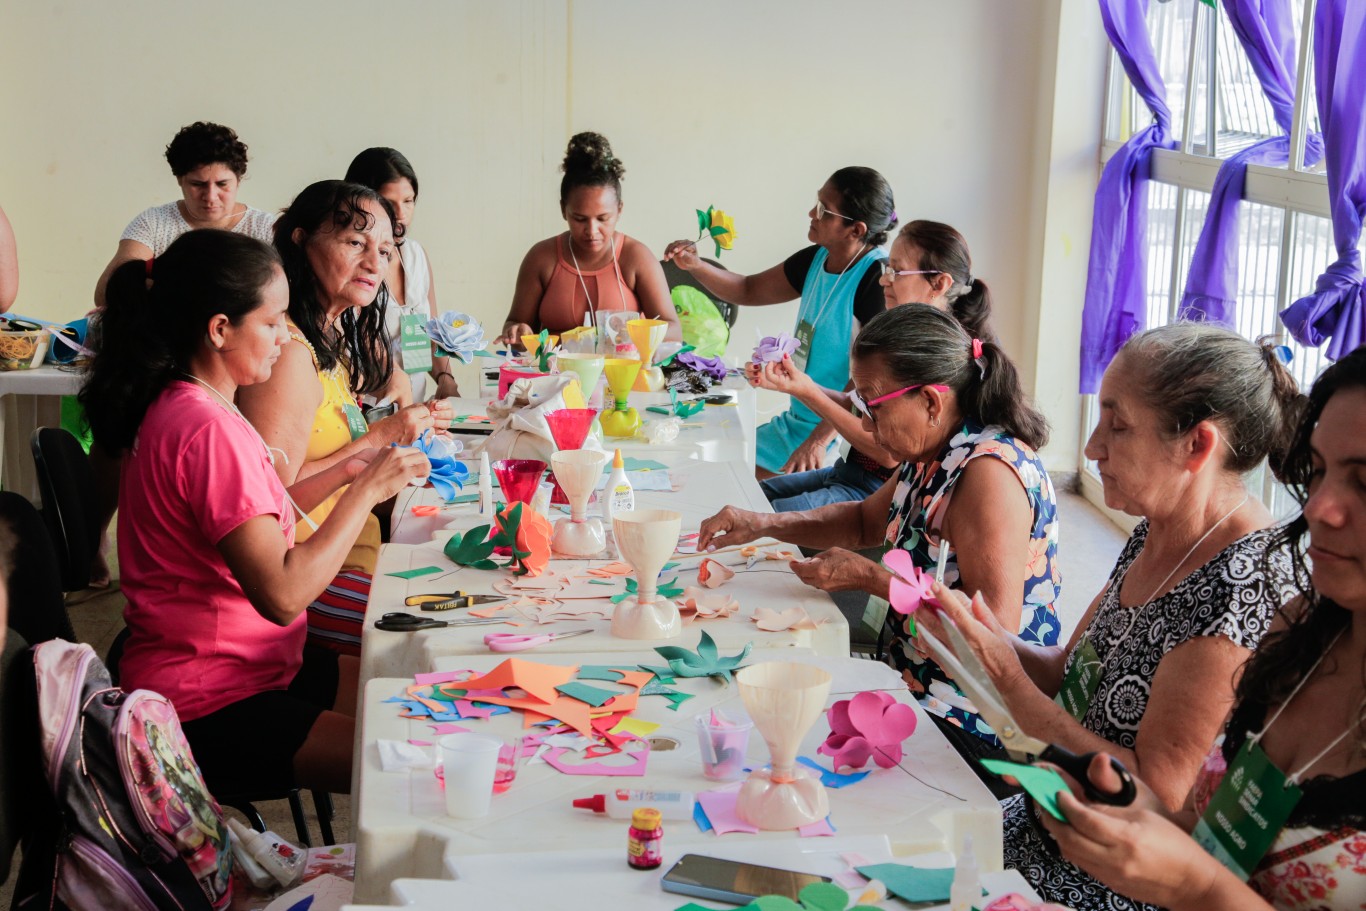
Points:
(469, 762)
(723, 744)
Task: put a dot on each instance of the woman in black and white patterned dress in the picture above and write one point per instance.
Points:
(1186, 411)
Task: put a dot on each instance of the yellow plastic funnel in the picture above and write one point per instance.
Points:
(647, 334)
(623, 420)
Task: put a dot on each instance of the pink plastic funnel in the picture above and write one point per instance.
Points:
(518, 478)
(568, 428)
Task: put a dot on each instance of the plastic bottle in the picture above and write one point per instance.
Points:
(485, 487)
(621, 804)
(541, 501)
(278, 857)
(645, 839)
(966, 891)
(618, 495)
(259, 876)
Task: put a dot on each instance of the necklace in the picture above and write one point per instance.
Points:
(270, 452)
(820, 312)
(1296, 776)
(621, 287)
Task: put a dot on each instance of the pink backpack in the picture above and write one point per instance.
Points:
(135, 827)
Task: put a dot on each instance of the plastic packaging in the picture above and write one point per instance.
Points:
(278, 857)
(621, 804)
(966, 891)
(645, 839)
(541, 502)
(259, 876)
(618, 495)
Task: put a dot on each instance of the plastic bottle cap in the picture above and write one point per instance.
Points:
(616, 460)
(646, 819)
(597, 803)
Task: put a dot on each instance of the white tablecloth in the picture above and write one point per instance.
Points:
(29, 399)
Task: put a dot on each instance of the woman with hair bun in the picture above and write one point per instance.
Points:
(209, 162)
(970, 491)
(1186, 412)
(928, 263)
(565, 280)
(837, 280)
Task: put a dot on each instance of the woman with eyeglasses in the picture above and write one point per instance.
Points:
(564, 281)
(837, 281)
(928, 263)
(950, 409)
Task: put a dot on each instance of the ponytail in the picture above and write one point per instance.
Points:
(154, 321)
(996, 398)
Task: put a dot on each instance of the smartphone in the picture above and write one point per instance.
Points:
(732, 881)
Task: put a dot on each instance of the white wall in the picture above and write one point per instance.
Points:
(748, 106)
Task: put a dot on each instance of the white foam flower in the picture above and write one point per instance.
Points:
(458, 335)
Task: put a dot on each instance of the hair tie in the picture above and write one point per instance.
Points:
(976, 349)
(1283, 354)
(150, 260)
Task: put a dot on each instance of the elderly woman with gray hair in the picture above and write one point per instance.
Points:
(1186, 411)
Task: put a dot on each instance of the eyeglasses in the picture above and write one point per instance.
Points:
(893, 274)
(822, 211)
(865, 408)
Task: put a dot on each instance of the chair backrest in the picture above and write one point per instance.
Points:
(676, 276)
(20, 772)
(69, 503)
(37, 610)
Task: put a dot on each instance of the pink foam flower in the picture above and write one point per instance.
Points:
(910, 585)
(872, 725)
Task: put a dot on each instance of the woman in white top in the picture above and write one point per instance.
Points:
(411, 290)
(209, 162)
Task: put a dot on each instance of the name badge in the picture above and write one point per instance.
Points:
(805, 333)
(355, 421)
(414, 347)
(1247, 811)
(1080, 683)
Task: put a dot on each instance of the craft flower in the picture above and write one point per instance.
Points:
(713, 573)
(772, 348)
(872, 725)
(530, 533)
(775, 621)
(719, 225)
(910, 586)
(705, 662)
(700, 605)
(447, 474)
(458, 335)
(713, 367)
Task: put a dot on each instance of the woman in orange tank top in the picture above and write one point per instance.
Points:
(590, 267)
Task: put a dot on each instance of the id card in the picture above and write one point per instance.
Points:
(414, 347)
(1081, 681)
(805, 333)
(355, 420)
(1247, 811)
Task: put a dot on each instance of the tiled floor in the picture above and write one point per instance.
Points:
(1090, 544)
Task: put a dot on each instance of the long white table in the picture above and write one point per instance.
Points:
(29, 399)
(925, 804)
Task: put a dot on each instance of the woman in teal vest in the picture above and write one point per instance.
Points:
(837, 279)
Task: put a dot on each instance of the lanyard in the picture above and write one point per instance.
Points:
(1294, 778)
(621, 288)
(820, 312)
(270, 454)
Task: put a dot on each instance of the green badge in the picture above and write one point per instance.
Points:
(355, 421)
(1247, 811)
(805, 333)
(1081, 680)
(414, 347)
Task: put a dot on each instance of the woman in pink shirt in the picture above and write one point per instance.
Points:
(216, 588)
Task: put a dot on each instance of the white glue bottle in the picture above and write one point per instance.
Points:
(620, 804)
(280, 859)
(485, 487)
(618, 495)
(966, 891)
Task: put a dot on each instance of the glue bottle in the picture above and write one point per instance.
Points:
(966, 891)
(622, 803)
(485, 487)
(618, 495)
(281, 859)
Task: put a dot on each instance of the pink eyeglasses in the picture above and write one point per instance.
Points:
(866, 408)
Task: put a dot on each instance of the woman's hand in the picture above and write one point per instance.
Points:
(404, 426)
(989, 640)
(390, 470)
(1134, 850)
(728, 528)
(785, 376)
(356, 463)
(809, 456)
(838, 570)
(442, 413)
(683, 253)
(512, 334)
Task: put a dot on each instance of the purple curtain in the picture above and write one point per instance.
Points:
(1334, 310)
(1266, 29)
(1115, 287)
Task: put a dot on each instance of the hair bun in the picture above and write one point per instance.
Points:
(590, 153)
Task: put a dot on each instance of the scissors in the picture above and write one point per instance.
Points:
(972, 677)
(449, 600)
(409, 623)
(511, 642)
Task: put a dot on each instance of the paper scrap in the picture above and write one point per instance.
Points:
(1041, 782)
(629, 760)
(913, 884)
(593, 695)
(638, 726)
(414, 573)
(396, 756)
(632, 463)
(719, 805)
(833, 780)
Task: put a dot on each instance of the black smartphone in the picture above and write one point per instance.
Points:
(732, 881)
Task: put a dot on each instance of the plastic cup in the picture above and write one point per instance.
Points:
(723, 745)
(468, 764)
(509, 760)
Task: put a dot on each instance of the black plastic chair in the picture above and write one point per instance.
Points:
(69, 503)
(37, 610)
(678, 277)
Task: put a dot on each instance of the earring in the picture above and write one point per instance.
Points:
(934, 420)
